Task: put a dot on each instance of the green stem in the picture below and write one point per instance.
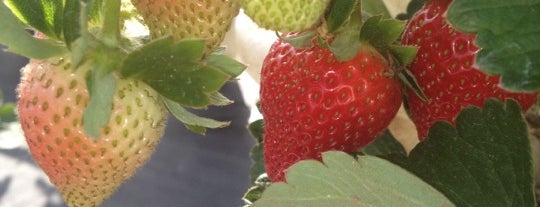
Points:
(111, 22)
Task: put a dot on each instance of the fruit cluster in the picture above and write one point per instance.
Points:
(314, 101)
(93, 103)
(91, 114)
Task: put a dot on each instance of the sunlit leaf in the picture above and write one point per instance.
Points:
(193, 122)
(18, 40)
(342, 180)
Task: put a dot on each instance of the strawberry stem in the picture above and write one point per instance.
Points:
(111, 24)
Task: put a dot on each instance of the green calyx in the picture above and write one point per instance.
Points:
(363, 30)
(353, 23)
(349, 24)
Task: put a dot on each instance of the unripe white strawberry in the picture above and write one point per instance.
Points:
(285, 15)
(188, 19)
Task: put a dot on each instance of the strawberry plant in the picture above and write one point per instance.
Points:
(93, 102)
(450, 89)
(93, 99)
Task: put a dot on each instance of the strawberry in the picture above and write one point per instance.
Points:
(445, 70)
(313, 103)
(187, 19)
(285, 15)
(52, 99)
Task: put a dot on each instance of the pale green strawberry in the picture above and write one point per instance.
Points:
(52, 99)
(188, 19)
(285, 15)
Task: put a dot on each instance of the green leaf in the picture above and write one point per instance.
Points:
(175, 71)
(193, 122)
(19, 41)
(226, 64)
(412, 8)
(195, 129)
(508, 35)
(302, 40)
(339, 13)
(375, 7)
(344, 181)
(403, 54)
(385, 144)
(256, 191)
(484, 161)
(72, 19)
(256, 129)
(381, 33)
(410, 82)
(101, 87)
(346, 42)
(77, 12)
(218, 99)
(43, 15)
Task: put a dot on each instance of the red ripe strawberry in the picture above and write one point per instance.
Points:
(185, 19)
(312, 103)
(52, 99)
(445, 70)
